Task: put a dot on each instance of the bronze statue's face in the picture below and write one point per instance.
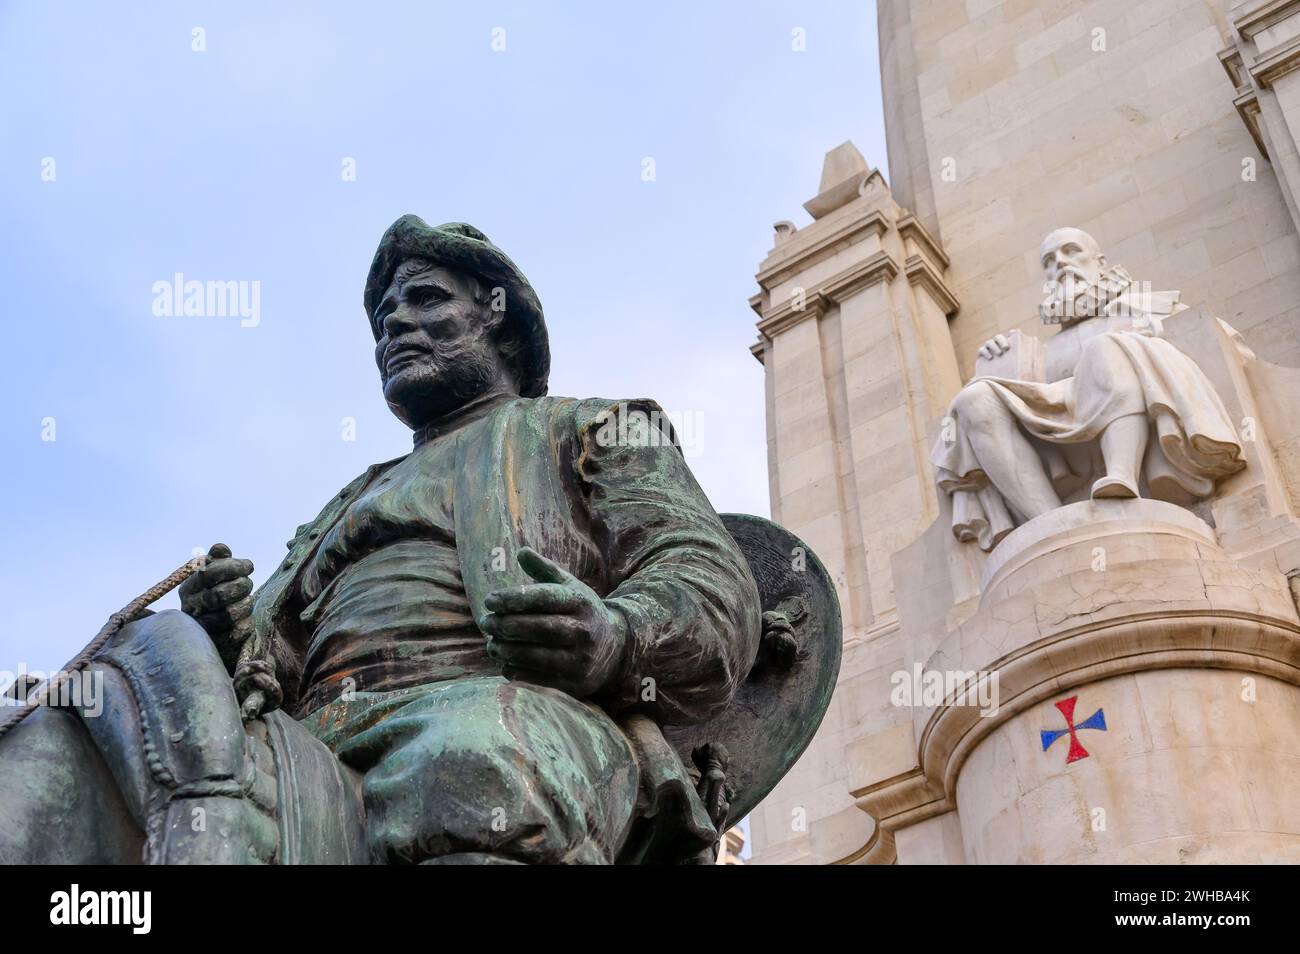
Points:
(1072, 256)
(436, 349)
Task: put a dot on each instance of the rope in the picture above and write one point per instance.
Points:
(126, 614)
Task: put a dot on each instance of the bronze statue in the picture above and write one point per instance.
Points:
(508, 646)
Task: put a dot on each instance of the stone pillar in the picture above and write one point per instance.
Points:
(1262, 63)
(853, 334)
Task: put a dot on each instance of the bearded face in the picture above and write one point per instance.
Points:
(436, 349)
(1078, 285)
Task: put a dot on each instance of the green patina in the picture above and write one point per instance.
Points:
(508, 646)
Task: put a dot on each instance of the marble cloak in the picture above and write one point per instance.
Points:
(1192, 445)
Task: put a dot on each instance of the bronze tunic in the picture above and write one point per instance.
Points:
(383, 594)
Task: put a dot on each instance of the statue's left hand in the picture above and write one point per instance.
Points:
(557, 631)
(1148, 325)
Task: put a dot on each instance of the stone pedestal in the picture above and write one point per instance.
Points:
(1186, 771)
(853, 336)
(1189, 659)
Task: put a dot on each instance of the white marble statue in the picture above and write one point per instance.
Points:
(1120, 412)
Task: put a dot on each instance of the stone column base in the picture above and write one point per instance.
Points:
(1189, 660)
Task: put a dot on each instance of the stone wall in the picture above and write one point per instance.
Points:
(1007, 119)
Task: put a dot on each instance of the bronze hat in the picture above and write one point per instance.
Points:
(459, 245)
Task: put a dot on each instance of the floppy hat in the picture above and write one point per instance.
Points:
(459, 245)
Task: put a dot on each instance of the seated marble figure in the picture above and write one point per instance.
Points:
(1120, 412)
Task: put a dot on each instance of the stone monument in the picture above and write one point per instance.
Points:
(1069, 572)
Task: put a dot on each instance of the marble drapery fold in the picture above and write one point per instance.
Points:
(1119, 373)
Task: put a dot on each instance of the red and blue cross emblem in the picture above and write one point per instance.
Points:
(1095, 721)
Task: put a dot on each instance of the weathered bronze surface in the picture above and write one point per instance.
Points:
(530, 640)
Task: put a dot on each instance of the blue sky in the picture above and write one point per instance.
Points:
(226, 165)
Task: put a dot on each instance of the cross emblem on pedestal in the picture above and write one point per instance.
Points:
(1095, 721)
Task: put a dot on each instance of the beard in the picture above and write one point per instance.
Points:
(438, 381)
(1075, 298)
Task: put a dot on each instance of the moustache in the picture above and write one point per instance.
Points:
(401, 352)
(1069, 283)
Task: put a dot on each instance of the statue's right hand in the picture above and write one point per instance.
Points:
(219, 597)
(996, 346)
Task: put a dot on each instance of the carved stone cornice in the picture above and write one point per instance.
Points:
(1246, 99)
(1230, 60)
(879, 267)
(1277, 62)
(1247, 105)
(816, 301)
(1251, 22)
(795, 259)
(813, 304)
(879, 850)
(920, 272)
(1249, 77)
(910, 227)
